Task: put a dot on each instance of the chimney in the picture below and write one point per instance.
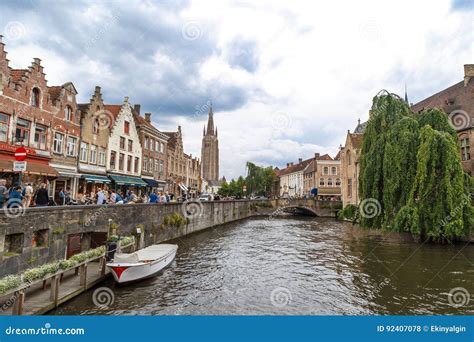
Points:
(147, 117)
(468, 73)
(300, 160)
(316, 155)
(291, 164)
(287, 164)
(136, 108)
(97, 90)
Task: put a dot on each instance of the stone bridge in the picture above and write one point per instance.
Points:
(307, 206)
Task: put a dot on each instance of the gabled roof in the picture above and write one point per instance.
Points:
(356, 140)
(426, 102)
(360, 128)
(173, 136)
(338, 156)
(296, 167)
(324, 157)
(113, 109)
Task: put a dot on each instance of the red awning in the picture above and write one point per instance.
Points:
(32, 168)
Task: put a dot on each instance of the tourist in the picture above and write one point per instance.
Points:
(3, 192)
(62, 197)
(132, 198)
(118, 198)
(112, 197)
(154, 197)
(27, 195)
(41, 197)
(15, 197)
(167, 197)
(100, 197)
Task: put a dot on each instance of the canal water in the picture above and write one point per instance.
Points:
(297, 266)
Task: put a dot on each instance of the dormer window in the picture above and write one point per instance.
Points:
(35, 97)
(68, 113)
(126, 127)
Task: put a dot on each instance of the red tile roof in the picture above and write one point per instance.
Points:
(54, 92)
(113, 109)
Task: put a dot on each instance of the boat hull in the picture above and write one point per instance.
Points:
(131, 272)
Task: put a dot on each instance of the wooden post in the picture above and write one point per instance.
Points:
(19, 303)
(54, 291)
(83, 275)
(102, 266)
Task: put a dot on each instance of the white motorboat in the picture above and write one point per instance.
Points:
(144, 263)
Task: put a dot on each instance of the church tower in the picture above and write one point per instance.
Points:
(210, 150)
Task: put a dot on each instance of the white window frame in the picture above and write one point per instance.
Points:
(93, 154)
(58, 142)
(83, 154)
(101, 156)
(71, 141)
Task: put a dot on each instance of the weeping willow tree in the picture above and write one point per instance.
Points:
(414, 175)
(387, 110)
(259, 179)
(438, 199)
(399, 166)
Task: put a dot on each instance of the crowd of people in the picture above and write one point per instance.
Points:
(29, 195)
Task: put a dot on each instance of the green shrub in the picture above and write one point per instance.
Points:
(348, 213)
(9, 283)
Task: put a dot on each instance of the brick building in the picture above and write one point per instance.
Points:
(29, 117)
(324, 174)
(95, 131)
(350, 165)
(154, 147)
(458, 102)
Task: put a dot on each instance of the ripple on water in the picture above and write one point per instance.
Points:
(324, 267)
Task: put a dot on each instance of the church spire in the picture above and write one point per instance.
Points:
(210, 122)
(406, 95)
(204, 131)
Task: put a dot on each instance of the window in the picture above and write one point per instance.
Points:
(4, 123)
(58, 142)
(162, 147)
(22, 132)
(68, 113)
(349, 187)
(338, 182)
(113, 155)
(35, 97)
(156, 165)
(126, 127)
(129, 163)
(121, 158)
(326, 170)
(162, 163)
(101, 156)
(157, 146)
(95, 126)
(14, 244)
(71, 146)
(333, 170)
(330, 182)
(40, 238)
(349, 158)
(137, 164)
(465, 152)
(145, 164)
(130, 145)
(93, 155)
(151, 163)
(147, 143)
(122, 143)
(83, 154)
(321, 181)
(40, 138)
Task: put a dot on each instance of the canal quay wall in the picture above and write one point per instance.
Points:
(35, 236)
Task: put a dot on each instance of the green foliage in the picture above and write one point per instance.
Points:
(9, 283)
(413, 169)
(399, 165)
(387, 110)
(58, 231)
(175, 220)
(259, 179)
(348, 213)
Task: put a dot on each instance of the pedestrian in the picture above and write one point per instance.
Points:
(62, 197)
(27, 195)
(112, 197)
(118, 198)
(132, 197)
(41, 197)
(15, 197)
(3, 192)
(154, 197)
(100, 197)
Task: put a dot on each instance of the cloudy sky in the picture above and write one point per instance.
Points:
(286, 78)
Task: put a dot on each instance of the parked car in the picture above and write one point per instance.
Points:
(205, 197)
